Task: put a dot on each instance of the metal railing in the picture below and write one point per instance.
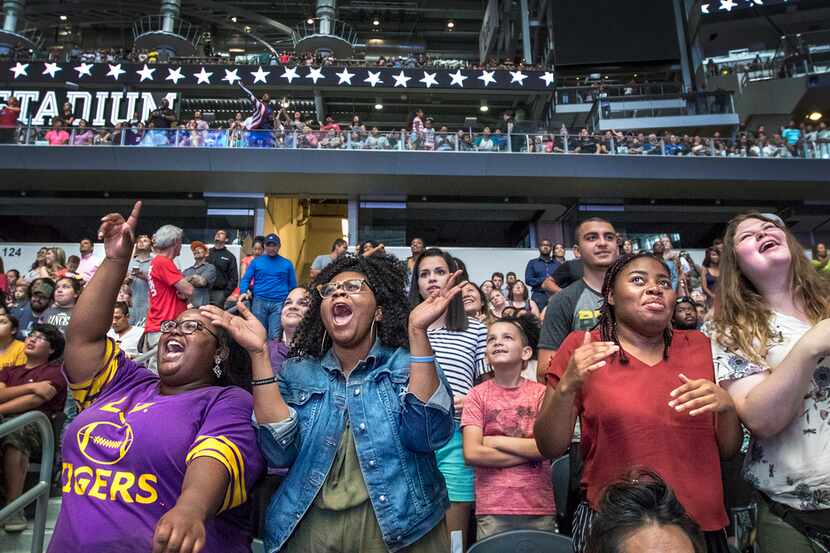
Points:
(815, 145)
(568, 95)
(40, 491)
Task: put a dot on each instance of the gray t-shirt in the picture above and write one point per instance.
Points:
(57, 316)
(141, 298)
(321, 262)
(201, 295)
(574, 308)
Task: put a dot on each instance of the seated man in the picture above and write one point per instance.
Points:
(38, 384)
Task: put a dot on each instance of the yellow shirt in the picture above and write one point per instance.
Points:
(13, 355)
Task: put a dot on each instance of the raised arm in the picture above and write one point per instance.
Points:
(768, 401)
(92, 315)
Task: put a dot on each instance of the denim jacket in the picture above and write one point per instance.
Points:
(395, 435)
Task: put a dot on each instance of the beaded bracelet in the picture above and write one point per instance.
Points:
(264, 381)
(429, 359)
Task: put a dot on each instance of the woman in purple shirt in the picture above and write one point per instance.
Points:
(160, 463)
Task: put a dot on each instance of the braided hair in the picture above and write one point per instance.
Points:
(385, 275)
(607, 323)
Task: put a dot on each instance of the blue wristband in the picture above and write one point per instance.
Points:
(413, 359)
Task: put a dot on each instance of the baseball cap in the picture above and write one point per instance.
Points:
(197, 244)
(272, 239)
(685, 299)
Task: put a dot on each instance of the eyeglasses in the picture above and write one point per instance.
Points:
(352, 286)
(37, 338)
(187, 327)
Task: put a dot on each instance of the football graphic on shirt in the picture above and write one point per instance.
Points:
(105, 442)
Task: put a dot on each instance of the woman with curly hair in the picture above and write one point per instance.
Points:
(356, 416)
(645, 396)
(770, 339)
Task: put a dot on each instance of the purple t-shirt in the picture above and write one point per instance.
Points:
(126, 453)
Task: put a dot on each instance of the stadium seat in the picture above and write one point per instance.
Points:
(526, 541)
(560, 476)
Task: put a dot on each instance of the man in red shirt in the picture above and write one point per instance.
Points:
(38, 384)
(168, 288)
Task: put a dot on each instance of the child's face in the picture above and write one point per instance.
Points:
(505, 348)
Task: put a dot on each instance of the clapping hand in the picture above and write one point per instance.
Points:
(587, 358)
(700, 396)
(245, 328)
(431, 309)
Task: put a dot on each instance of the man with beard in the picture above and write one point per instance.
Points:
(40, 298)
(685, 314)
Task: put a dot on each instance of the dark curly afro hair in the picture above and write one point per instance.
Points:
(386, 275)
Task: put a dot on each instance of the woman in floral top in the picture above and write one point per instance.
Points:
(770, 336)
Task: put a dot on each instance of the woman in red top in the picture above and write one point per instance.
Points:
(8, 121)
(645, 396)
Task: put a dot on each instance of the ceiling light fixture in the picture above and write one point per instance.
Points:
(376, 22)
(815, 116)
(450, 24)
(234, 19)
(63, 18)
(310, 21)
(484, 108)
(378, 104)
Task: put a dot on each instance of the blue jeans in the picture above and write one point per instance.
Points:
(268, 312)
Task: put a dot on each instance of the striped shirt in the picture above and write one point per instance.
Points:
(460, 353)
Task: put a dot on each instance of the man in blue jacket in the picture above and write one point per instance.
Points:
(273, 277)
(538, 274)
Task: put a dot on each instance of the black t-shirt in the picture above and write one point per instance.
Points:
(568, 273)
(160, 118)
(227, 272)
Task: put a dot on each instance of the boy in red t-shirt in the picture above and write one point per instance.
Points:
(512, 484)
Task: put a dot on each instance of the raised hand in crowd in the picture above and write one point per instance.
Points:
(587, 358)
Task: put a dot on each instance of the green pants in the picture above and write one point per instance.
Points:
(354, 530)
(776, 536)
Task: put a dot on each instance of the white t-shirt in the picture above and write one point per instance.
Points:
(129, 341)
(792, 467)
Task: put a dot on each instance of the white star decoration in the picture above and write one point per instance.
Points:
(458, 78)
(315, 74)
(203, 77)
(84, 69)
(231, 76)
(547, 77)
(345, 76)
(115, 71)
(518, 77)
(704, 8)
(259, 75)
(401, 79)
(429, 79)
(50, 69)
(290, 74)
(146, 74)
(373, 78)
(727, 5)
(20, 69)
(175, 75)
(487, 77)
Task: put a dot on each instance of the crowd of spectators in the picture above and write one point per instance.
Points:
(599, 357)
(413, 60)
